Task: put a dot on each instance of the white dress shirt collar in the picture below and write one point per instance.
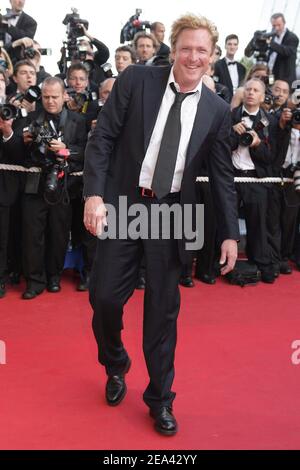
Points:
(172, 80)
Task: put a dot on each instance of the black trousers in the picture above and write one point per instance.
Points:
(113, 281)
(283, 209)
(4, 232)
(45, 239)
(255, 203)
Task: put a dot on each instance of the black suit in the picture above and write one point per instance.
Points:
(46, 226)
(285, 63)
(114, 157)
(223, 76)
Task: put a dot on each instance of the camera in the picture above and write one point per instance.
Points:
(261, 40)
(296, 100)
(246, 139)
(74, 24)
(42, 133)
(133, 26)
(71, 50)
(32, 95)
(30, 52)
(8, 111)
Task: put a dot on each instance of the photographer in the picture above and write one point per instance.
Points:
(253, 139)
(284, 201)
(79, 48)
(158, 30)
(19, 25)
(146, 46)
(11, 184)
(280, 48)
(28, 49)
(46, 208)
(124, 56)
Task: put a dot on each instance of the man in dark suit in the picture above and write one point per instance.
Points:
(228, 71)
(46, 211)
(158, 29)
(137, 150)
(282, 52)
(20, 25)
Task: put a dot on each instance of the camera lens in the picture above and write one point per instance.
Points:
(246, 139)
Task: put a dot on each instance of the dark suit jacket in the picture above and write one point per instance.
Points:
(285, 64)
(12, 153)
(116, 149)
(222, 73)
(264, 154)
(26, 27)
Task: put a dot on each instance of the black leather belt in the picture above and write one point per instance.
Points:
(245, 172)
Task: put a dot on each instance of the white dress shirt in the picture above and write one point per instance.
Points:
(273, 55)
(233, 72)
(188, 114)
(293, 153)
(241, 158)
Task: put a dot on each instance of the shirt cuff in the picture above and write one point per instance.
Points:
(6, 139)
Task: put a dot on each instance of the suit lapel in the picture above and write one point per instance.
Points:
(202, 124)
(153, 95)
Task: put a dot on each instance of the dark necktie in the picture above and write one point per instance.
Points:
(250, 116)
(167, 155)
(231, 63)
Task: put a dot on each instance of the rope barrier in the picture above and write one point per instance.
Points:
(200, 179)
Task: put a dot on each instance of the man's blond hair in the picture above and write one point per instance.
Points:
(191, 21)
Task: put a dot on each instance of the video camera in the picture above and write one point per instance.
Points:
(133, 26)
(71, 49)
(261, 45)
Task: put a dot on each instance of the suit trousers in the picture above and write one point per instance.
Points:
(113, 281)
(46, 231)
(283, 209)
(255, 202)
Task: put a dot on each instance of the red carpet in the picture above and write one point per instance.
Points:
(236, 385)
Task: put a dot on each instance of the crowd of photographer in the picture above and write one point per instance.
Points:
(45, 122)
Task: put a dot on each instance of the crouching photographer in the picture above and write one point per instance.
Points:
(285, 201)
(55, 140)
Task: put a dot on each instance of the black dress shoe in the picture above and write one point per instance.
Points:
(164, 421)
(83, 285)
(116, 388)
(2, 290)
(186, 281)
(141, 284)
(30, 294)
(285, 268)
(207, 278)
(54, 287)
(268, 276)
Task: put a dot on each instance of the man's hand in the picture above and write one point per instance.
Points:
(94, 217)
(256, 140)
(6, 127)
(26, 42)
(286, 116)
(30, 107)
(229, 252)
(239, 128)
(55, 146)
